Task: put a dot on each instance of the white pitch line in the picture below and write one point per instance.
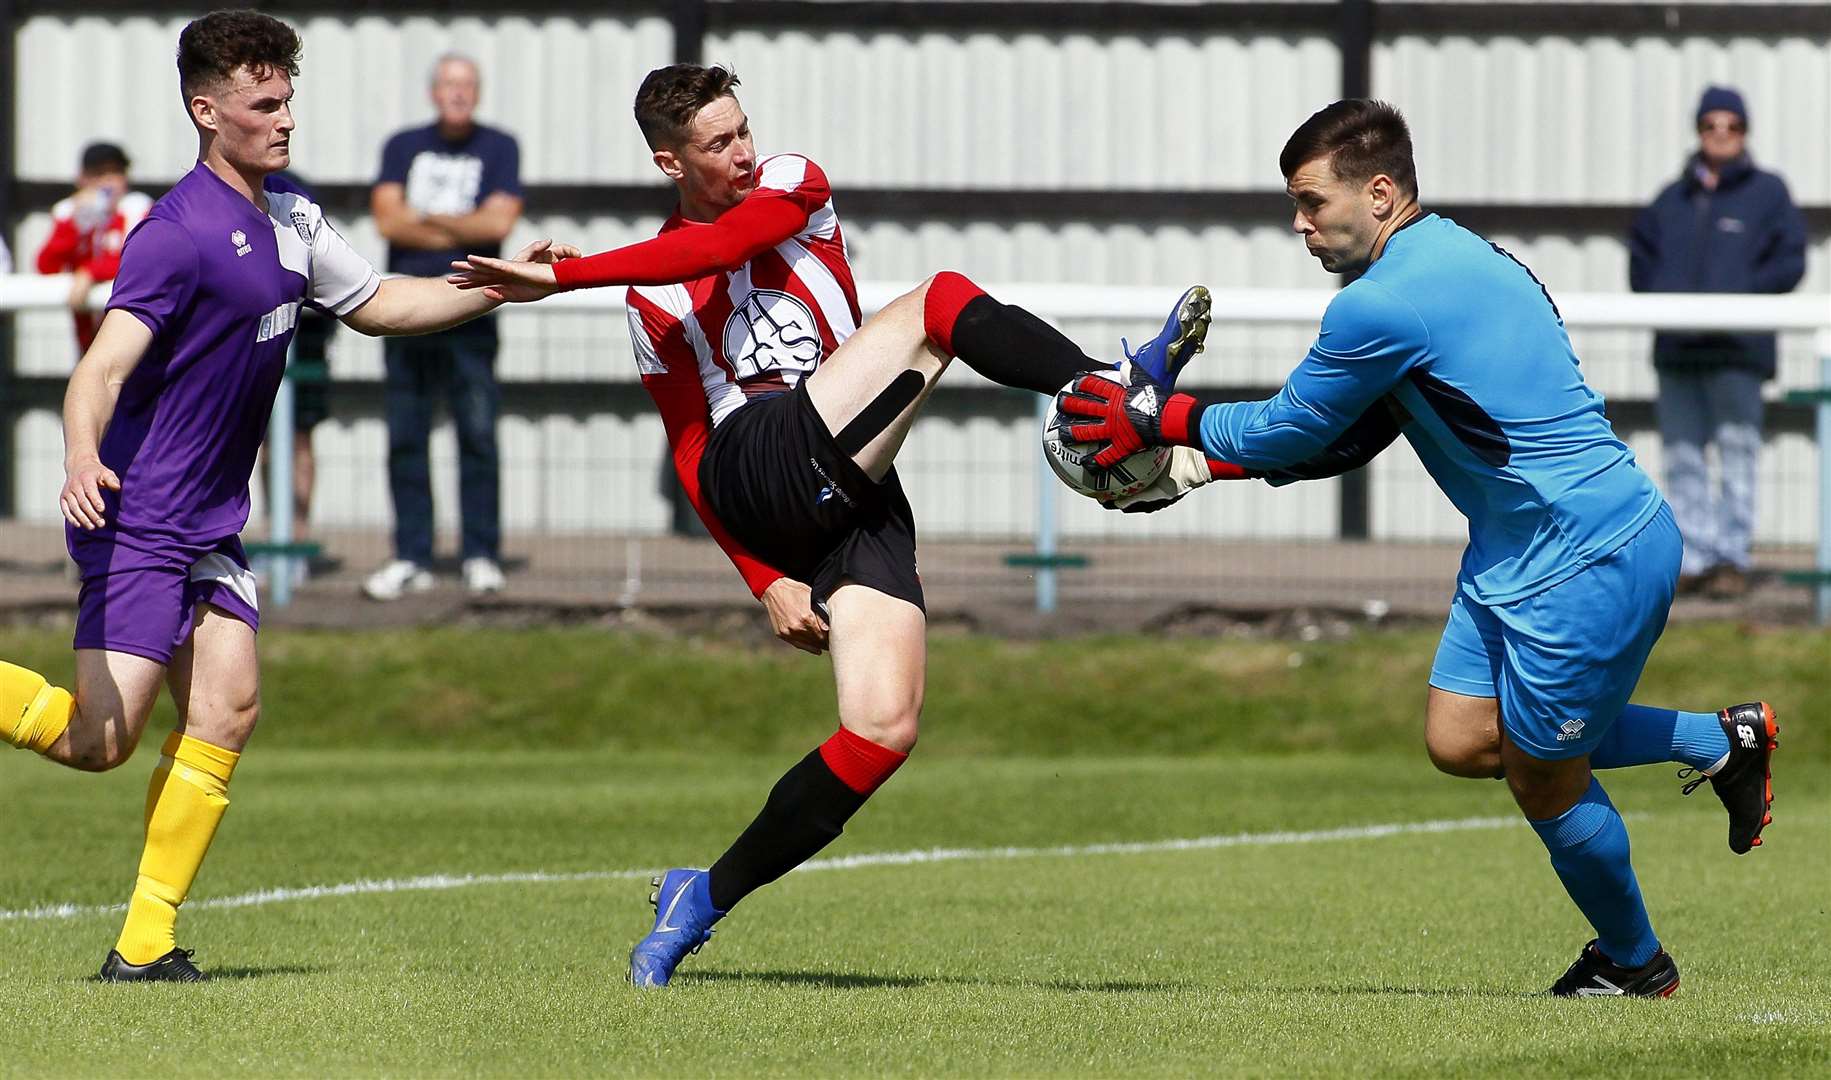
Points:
(440, 882)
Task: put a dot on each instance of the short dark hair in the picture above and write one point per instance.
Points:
(1362, 138)
(670, 97)
(103, 157)
(213, 48)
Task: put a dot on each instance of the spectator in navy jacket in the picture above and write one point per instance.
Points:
(1723, 226)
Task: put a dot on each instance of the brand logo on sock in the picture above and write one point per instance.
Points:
(663, 926)
(1570, 729)
(1747, 735)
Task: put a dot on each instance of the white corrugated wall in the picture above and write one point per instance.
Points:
(1599, 119)
(563, 85)
(955, 110)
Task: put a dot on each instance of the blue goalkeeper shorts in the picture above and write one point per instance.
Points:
(1563, 662)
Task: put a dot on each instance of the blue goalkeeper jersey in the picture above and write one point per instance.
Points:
(1469, 343)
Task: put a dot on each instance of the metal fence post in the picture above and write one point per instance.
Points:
(279, 487)
(1824, 477)
(1046, 523)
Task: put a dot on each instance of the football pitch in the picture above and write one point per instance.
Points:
(1205, 857)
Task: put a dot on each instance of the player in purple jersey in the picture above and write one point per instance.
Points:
(162, 423)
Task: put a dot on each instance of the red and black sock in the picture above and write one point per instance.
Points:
(806, 810)
(1005, 343)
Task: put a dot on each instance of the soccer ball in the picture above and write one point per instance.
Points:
(1072, 460)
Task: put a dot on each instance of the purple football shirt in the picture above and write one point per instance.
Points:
(219, 283)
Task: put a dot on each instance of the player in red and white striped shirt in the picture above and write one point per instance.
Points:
(785, 415)
(709, 343)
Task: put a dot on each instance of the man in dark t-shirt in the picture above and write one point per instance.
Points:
(447, 189)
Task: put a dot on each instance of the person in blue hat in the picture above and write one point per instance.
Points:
(1723, 226)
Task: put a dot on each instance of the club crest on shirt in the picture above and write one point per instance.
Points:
(240, 240)
(771, 331)
(303, 226)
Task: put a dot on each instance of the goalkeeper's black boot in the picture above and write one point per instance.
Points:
(174, 966)
(1745, 782)
(1595, 975)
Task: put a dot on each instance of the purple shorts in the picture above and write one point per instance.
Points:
(140, 595)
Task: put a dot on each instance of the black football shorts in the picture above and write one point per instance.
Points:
(776, 479)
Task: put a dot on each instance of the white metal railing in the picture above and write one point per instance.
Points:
(1060, 301)
(1645, 311)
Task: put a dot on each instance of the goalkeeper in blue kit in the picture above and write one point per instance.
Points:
(1573, 555)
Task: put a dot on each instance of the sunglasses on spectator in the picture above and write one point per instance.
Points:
(1736, 126)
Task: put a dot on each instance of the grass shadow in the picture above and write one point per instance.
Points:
(1104, 986)
(1396, 991)
(236, 974)
(831, 980)
(842, 980)
(228, 973)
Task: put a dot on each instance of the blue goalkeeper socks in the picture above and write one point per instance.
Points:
(1643, 735)
(1589, 850)
(1698, 739)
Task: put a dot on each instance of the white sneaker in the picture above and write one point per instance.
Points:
(399, 576)
(482, 575)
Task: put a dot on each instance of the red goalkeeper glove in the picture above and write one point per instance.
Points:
(1128, 417)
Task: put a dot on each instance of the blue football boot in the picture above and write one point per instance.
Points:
(1164, 356)
(683, 922)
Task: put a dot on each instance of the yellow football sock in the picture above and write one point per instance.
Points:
(33, 713)
(184, 804)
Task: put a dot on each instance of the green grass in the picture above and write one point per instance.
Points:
(581, 688)
(1410, 954)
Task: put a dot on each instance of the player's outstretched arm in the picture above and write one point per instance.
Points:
(744, 232)
(89, 401)
(1369, 340)
(409, 305)
(503, 281)
(1376, 429)
(1189, 468)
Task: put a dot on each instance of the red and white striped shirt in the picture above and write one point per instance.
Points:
(760, 328)
(769, 298)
